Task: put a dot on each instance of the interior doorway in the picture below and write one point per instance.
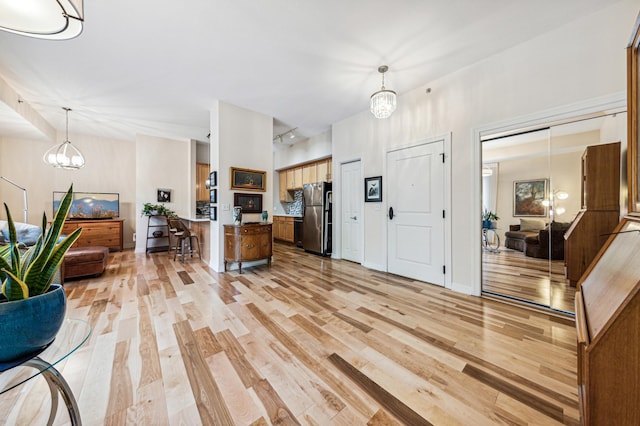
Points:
(351, 202)
(416, 212)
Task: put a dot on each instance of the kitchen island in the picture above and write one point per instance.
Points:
(199, 226)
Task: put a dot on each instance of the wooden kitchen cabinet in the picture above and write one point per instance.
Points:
(202, 174)
(103, 232)
(322, 171)
(309, 174)
(291, 184)
(246, 243)
(283, 227)
(297, 172)
(285, 195)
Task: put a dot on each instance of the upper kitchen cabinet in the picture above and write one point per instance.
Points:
(202, 174)
(285, 195)
(309, 174)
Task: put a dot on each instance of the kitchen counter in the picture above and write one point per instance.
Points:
(196, 218)
(288, 215)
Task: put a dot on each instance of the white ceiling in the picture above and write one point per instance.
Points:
(155, 67)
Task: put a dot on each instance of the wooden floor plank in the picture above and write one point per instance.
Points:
(309, 340)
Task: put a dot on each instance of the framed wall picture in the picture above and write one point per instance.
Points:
(213, 179)
(213, 195)
(213, 212)
(250, 203)
(529, 197)
(164, 195)
(373, 189)
(248, 180)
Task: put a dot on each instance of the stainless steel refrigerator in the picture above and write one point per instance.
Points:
(316, 227)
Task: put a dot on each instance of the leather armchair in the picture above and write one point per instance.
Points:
(550, 238)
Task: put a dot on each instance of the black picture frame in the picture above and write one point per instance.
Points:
(373, 189)
(213, 195)
(164, 195)
(213, 179)
(250, 203)
(529, 197)
(213, 213)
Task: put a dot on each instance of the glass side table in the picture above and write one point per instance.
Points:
(72, 335)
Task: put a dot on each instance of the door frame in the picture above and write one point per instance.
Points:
(446, 139)
(536, 120)
(336, 251)
(361, 201)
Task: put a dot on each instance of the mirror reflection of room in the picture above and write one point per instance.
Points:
(533, 183)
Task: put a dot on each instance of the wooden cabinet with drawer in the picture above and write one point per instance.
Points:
(246, 243)
(283, 228)
(105, 233)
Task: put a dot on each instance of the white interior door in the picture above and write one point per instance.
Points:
(351, 201)
(415, 177)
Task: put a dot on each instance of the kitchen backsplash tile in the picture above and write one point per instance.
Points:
(297, 207)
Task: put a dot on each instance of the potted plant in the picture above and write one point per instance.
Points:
(150, 209)
(489, 219)
(31, 307)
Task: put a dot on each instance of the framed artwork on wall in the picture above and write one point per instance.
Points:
(373, 189)
(213, 195)
(250, 203)
(213, 212)
(213, 179)
(529, 197)
(248, 180)
(164, 195)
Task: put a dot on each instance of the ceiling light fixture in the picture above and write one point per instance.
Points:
(383, 102)
(64, 156)
(283, 134)
(49, 19)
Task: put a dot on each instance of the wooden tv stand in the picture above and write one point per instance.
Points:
(97, 232)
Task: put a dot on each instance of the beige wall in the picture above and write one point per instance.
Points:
(110, 167)
(581, 61)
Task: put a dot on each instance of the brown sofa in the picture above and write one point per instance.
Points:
(84, 261)
(514, 237)
(542, 245)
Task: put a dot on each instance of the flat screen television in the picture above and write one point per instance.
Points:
(90, 205)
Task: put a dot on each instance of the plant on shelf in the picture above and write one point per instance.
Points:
(150, 209)
(489, 219)
(32, 306)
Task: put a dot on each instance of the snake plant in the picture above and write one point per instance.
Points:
(28, 272)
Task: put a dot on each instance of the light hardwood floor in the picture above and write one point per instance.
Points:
(540, 281)
(309, 341)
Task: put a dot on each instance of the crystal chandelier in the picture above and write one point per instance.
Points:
(65, 155)
(49, 19)
(383, 102)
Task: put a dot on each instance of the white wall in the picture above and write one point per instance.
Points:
(239, 138)
(110, 167)
(162, 163)
(581, 61)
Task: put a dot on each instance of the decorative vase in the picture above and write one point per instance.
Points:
(29, 325)
(237, 215)
(265, 215)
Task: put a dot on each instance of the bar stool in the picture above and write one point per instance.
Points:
(184, 240)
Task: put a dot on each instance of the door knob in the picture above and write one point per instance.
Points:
(390, 213)
(353, 218)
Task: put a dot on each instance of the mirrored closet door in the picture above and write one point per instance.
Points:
(549, 198)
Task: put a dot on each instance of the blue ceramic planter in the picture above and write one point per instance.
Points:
(29, 325)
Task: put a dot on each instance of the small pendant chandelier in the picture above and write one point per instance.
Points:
(383, 102)
(64, 156)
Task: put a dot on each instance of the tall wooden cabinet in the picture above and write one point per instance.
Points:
(600, 211)
(608, 296)
(245, 243)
